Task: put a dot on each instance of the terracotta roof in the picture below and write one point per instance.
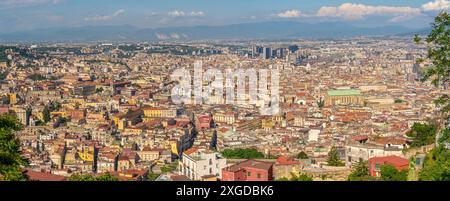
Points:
(190, 151)
(393, 160)
(251, 163)
(386, 140)
(283, 160)
(179, 178)
(360, 137)
(42, 176)
(123, 158)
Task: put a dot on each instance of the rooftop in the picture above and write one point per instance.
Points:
(251, 163)
(344, 92)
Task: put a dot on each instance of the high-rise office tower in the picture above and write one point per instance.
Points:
(267, 53)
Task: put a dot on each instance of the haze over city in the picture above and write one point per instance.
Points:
(42, 20)
(235, 90)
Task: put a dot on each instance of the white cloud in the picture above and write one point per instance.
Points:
(176, 13)
(436, 5)
(197, 14)
(350, 11)
(105, 17)
(400, 18)
(289, 14)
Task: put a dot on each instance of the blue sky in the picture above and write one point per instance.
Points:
(18, 15)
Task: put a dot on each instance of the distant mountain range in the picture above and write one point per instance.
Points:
(262, 30)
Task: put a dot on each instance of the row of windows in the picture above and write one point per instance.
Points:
(258, 175)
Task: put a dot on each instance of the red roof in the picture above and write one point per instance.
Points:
(360, 137)
(190, 151)
(392, 160)
(42, 176)
(283, 160)
(251, 163)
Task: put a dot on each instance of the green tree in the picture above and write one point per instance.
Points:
(438, 53)
(152, 176)
(249, 153)
(295, 177)
(36, 77)
(422, 134)
(3, 75)
(282, 179)
(106, 177)
(54, 106)
(436, 166)
(360, 172)
(81, 177)
(333, 158)
(87, 177)
(302, 155)
(169, 167)
(302, 177)
(11, 161)
(445, 136)
(320, 103)
(390, 173)
(46, 114)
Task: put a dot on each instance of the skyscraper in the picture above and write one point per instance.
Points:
(267, 53)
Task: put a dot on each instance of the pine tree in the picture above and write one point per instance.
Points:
(11, 161)
(46, 114)
(333, 158)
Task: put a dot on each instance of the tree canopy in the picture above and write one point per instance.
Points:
(46, 114)
(152, 176)
(360, 172)
(436, 165)
(249, 153)
(444, 137)
(390, 173)
(295, 177)
(438, 54)
(169, 167)
(333, 158)
(11, 161)
(422, 134)
(302, 155)
(87, 177)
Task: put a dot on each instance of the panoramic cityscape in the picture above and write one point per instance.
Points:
(224, 91)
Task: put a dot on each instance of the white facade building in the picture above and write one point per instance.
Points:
(197, 163)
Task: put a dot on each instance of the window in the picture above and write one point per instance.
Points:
(377, 166)
(248, 173)
(258, 175)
